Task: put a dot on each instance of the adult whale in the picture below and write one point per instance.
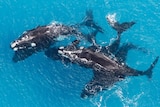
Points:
(39, 39)
(106, 71)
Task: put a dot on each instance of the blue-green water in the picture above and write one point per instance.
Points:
(42, 82)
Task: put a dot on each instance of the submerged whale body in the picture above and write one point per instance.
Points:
(39, 39)
(106, 71)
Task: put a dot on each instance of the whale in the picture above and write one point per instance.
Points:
(39, 39)
(106, 71)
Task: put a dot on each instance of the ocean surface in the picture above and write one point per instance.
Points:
(41, 82)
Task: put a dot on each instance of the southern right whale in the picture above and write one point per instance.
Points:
(106, 71)
(40, 39)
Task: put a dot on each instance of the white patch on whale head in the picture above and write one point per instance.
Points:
(60, 52)
(15, 49)
(24, 32)
(62, 47)
(33, 44)
(81, 47)
(48, 31)
(13, 44)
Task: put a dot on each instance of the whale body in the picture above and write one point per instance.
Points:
(39, 39)
(106, 70)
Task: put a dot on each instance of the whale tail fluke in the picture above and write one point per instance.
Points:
(120, 28)
(89, 21)
(124, 26)
(148, 72)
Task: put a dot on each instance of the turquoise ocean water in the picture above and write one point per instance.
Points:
(41, 82)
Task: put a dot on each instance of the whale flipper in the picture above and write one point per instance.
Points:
(121, 54)
(100, 82)
(89, 22)
(91, 37)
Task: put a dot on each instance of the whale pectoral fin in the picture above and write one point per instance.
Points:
(121, 54)
(97, 27)
(91, 37)
(100, 81)
(89, 14)
(91, 89)
(88, 18)
(89, 22)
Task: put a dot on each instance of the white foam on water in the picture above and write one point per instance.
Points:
(111, 18)
(61, 37)
(126, 101)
